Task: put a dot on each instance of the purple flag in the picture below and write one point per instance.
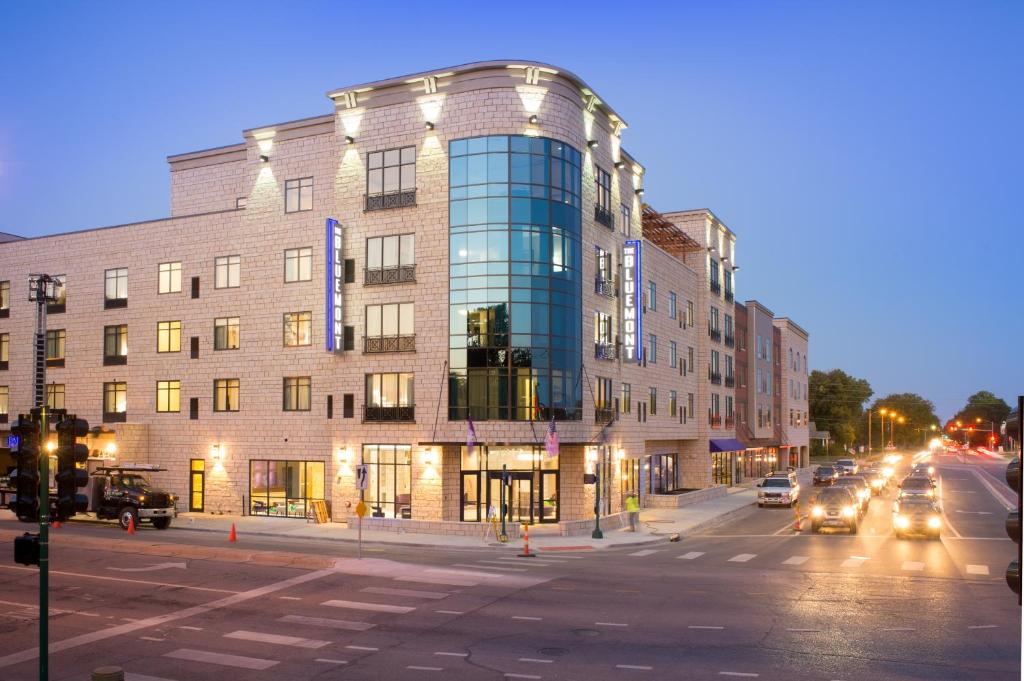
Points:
(551, 440)
(470, 435)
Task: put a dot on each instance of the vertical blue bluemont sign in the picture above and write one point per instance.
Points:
(335, 281)
(632, 310)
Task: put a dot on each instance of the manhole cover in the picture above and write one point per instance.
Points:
(554, 652)
(586, 632)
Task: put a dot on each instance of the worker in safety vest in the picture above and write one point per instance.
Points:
(633, 509)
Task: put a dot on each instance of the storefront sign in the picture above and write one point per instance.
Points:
(632, 311)
(335, 281)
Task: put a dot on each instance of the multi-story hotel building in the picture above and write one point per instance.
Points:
(409, 282)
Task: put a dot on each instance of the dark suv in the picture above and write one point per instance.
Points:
(834, 507)
(825, 475)
(124, 493)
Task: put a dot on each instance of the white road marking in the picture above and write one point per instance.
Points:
(640, 667)
(795, 560)
(960, 510)
(510, 675)
(983, 626)
(129, 676)
(439, 580)
(494, 567)
(145, 582)
(898, 629)
(644, 552)
(326, 623)
(704, 626)
(610, 624)
(474, 573)
(854, 561)
(747, 674)
(276, 639)
(525, 617)
(912, 565)
(804, 631)
(536, 660)
(152, 638)
(223, 659)
(977, 569)
(190, 628)
(372, 607)
(691, 555)
(450, 612)
(742, 558)
(409, 593)
(151, 568)
(329, 660)
(424, 669)
(289, 598)
(367, 649)
(441, 652)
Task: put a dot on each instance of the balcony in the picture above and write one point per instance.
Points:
(730, 341)
(730, 421)
(729, 297)
(378, 414)
(604, 216)
(377, 344)
(715, 377)
(114, 360)
(604, 287)
(716, 334)
(605, 350)
(715, 420)
(404, 274)
(603, 415)
(114, 303)
(402, 199)
(115, 416)
(716, 287)
(730, 381)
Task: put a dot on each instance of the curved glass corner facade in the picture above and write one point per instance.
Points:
(515, 289)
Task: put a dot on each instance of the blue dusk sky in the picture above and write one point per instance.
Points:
(867, 155)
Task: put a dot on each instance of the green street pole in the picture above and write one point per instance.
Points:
(44, 544)
(504, 476)
(597, 534)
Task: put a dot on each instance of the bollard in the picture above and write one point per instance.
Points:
(110, 673)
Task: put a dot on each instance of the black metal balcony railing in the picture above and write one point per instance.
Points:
(374, 413)
(603, 415)
(715, 378)
(730, 381)
(114, 360)
(605, 350)
(402, 274)
(728, 295)
(730, 421)
(115, 417)
(716, 334)
(715, 420)
(604, 216)
(730, 341)
(401, 199)
(114, 303)
(604, 287)
(716, 287)
(378, 344)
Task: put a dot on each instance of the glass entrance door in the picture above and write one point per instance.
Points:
(470, 493)
(549, 497)
(196, 485)
(519, 506)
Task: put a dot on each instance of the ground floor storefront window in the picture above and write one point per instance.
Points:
(722, 466)
(389, 480)
(758, 463)
(284, 488)
(629, 479)
(661, 473)
(529, 476)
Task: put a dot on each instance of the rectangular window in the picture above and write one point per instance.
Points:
(689, 360)
(61, 290)
(115, 401)
(713, 321)
(115, 344)
(603, 398)
(298, 393)
(390, 252)
(55, 395)
(168, 336)
(652, 349)
(654, 401)
(225, 394)
(389, 480)
(672, 313)
(390, 397)
(652, 296)
(728, 282)
(348, 406)
(603, 180)
(626, 401)
(729, 374)
(672, 403)
(5, 402)
(298, 195)
(226, 271)
(391, 171)
(285, 488)
(55, 340)
(728, 407)
(626, 215)
(168, 396)
(604, 265)
(689, 314)
(115, 286)
(715, 364)
(169, 277)
(298, 264)
(673, 354)
(193, 408)
(602, 328)
(5, 296)
(298, 329)
(716, 404)
(390, 328)
(5, 349)
(225, 333)
(716, 285)
(690, 408)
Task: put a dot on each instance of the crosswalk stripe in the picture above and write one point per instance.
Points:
(222, 659)
(644, 552)
(742, 558)
(912, 565)
(409, 593)
(977, 569)
(328, 660)
(691, 555)
(795, 560)
(853, 561)
(373, 607)
(438, 580)
(276, 639)
(326, 623)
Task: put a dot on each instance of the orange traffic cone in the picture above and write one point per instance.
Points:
(233, 537)
(56, 524)
(796, 525)
(131, 524)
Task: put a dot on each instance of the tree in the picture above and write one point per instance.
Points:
(918, 416)
(986, 406)
(836, 401)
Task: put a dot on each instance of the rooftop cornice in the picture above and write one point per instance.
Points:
(791, 325)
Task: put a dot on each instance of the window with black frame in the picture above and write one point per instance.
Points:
(603, 205)
(115, 344)
(284, 489)
(389, 480)
(390, 178)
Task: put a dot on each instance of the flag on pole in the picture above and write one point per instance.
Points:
(551, 440)
(470, 435)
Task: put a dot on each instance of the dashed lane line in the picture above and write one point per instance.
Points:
(742, 558)
(365, 649)
(795, 560)
(751, 675)
(372, 607)
(644, 552)
(418, 668)
(692, 555)
(527, 618)
(511, 675)
(898, 629)
(639, 667)
(407, 593)
(977, 569)
(705, 626)
(804, 631)
(444, 653)
(326, 623)
(450, 612)
(983, 626)
(222, 659)
(610, 624)
(326, 660)
(535, 660)
(276, 639)
(854, 561)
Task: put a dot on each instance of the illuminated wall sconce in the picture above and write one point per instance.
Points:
(534, 119)
(620, 164)
(111, 449)
(592, 144)
(621, 454)
(264, 158)
(429, 125)
(711, 249)
(735, 268)
(429, 458)
(350, 139)
(725, 258)
(217, 452)
(51, 446)
(640, 191)
(591, 455)
(344, 457)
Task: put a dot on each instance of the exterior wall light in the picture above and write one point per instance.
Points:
(725, 258)
(428, 458)
(111, 449)
(350, 139)
(534, 119)
(264, 158)
(217, 452)
(429, 125)
(640, 191)
(735, 268)
(592, 144)
(620, 164)
(344, 458)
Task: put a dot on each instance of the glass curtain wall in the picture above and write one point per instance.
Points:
(515, 321)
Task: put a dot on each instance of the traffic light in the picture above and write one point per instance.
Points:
(26, 502)
(1013, 526)
(69, 476)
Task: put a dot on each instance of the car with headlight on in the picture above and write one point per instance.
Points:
(859, 488)
(825, 475)
(916, 486)
(834, 507)
(875, 478)
(846, 466)
(916, 516)
(780, 490)
(923, 470)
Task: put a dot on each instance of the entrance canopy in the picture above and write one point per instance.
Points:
(725, 445)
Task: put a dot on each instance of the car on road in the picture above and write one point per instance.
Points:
(847, 466)
(825, 475)
(859, 488)
(916, 516)
(125, 494)
(780, 490)
(875, 478)
(916, 486)
(923, 470)
(834, 507)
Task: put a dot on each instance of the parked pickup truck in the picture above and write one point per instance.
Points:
(125, 494)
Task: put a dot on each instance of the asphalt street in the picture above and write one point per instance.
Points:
(749, 599)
